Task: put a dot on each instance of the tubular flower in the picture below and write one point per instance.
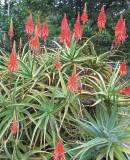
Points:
(57, 62)
(65, 35)
(59, 151)
(34, 44)
(45, 31)
(29, 26)
(12, 62)
(120, 31)
(123, 68)
(73, 81)
(11, 31)
(78, 32)
(84, 17)
(38, 26)
(14, 127)
(101, 19)
(125, 91)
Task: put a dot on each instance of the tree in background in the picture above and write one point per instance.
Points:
(53, 10)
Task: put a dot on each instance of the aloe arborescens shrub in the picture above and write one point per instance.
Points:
(64, 102)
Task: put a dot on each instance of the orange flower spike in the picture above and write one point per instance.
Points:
(11, 31)
(29, 26)
(12, 62)
(101, 19)
(34, 44)
(45, 31)
(14, 127)
(125, 91)
(84, 17)
(38, 28)
(120, 31)
(59, 153)
(57, 62)
(64, 23)
(73, 81)
(78, 32)
(123, 68)
(65, 35)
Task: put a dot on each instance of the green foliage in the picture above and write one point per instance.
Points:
(108, 135)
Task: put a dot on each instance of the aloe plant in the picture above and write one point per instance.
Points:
(106, 134)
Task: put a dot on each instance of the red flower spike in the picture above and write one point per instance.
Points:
(125, 91)
(29, 26)
(57, 62)
(123, 68)
(73, 81)
(59, 151)
(11, 31)
(64, 23)
(38, 26)
(12, 62)
(65, 35)
(78, 32)
(14, 127)
(34, 44)
(45, 31)
(120, 31)
(101, 19)
(84, 17)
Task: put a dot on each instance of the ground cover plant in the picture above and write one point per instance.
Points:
(65, 102)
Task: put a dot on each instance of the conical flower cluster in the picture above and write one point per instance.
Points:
(120, 31)
(12, 62)
(29, 26)
(38, 27)
(14, 127)
(78, 31)
(59, 153)
(84, 17)
(123, 68)
(101, 19)
(57, 62)
(11, 31)
(34, 44)
(65, 35)
(73, 81)
(45, 31)
(125, 91)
